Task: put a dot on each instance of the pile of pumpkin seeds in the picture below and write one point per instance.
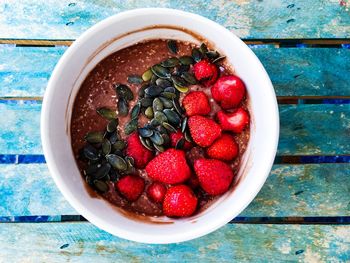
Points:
(158, 100)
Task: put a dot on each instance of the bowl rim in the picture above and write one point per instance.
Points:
(74, 201)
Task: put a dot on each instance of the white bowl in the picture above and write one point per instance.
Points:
(125, 29)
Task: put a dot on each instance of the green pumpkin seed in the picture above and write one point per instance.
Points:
(107, 113)
(144, 132)
(218, 59)
(141, 91)
(203, 49)
(163, 83)
(186, 60)
(189, 78)
(94, 137)
(131, 126)
(180, 144)
(135, 79)
(153, 79)
(172, 46)
(154, 123)
(153, 91)
(162, 130)
(147, 75)
(181, 89)
(181, 69)
(160, 116)
(212, 55)
(157, 105)
(166, 103)
(91, 168)
(184, 124)
(146, 142)
(90, 153)
(172, 117)
(112, 125)
(114, 137)
(130, 161)
(117, 162)
(187, 136)
(179, 81)
(177, 107)
(156, 138)
(123, 107)
(170, 89)
(102, 171)
(101, 186)
(197, 55)
(119, 145)
(149, 112)
(124, 91)
(159, 148)
(135, 111)
(170, 62)
(106, 147)
(146, 102)
(161, 72)
(168, 95)
(169, 127)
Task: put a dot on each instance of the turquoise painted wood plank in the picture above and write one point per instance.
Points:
(24, 71)
(82, 242)
(247, 18)
(305, 129)
(311, 190)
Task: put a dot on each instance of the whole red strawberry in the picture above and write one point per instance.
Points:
(205, 72)
(176, 136)
(196, 103)
(131, 187)
(156, 192)
(235, 121)
(179, 201)
(228, 91)
(169, 167)
(214, 176)
(225, 148)
(204, 131)
(136, 150)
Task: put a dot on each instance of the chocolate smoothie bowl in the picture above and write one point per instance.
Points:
(159, 128)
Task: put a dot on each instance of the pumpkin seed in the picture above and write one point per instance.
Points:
(179, 81)
(147, 75)
(119, 145)
(181, 89)
(170, 89)
(106, 147)
(114, 137)
(161, 72)
(212, 55)
(113, 175)
(123, 107)
(168, 95)
(92, 168)
(101, 186)
(154, 123)
(149, 112)
(153, 91)
(153, 79)
(181, 69)
(184, 124)
(141, 92)
(124, 91)
(135, 79)
(117, 162)
(131, 126)
(112, 125)
(186, 60)
(90, 153)
(159, 148)
(177, 107)
(147, 143)
(168, 127)
(218, 59)
(172, 117)
(130, 161)
(203, 48)
(144, 132)
(170, 62)
(172, 46)
(107, 113)
(156, 138)
(102, 171)
(166, 103)
(160, 116)
(119, 153)
(197, 55)
(146, 102)
(189, 78)
(157, 105)
(135, 111)
(161, 129)
(180, 144)
(187, 136)
(94, 137)
(163, 83)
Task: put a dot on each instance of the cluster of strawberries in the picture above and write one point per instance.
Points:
(172, 177)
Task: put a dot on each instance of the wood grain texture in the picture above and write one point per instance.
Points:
(305, 129)
(290, 190)
(73, 242)
(24, 71)
(247, 18)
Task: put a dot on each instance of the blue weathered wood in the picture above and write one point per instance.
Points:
(311, 190)
(247, 18)
(24, 71)
(305, 129)
(82, 242)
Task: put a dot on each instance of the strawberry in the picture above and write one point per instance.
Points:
(214, 176)
(169, 167)
(196, 103)
(204, 131)
(228, 91)
(179, 201)
(136, 150)
(225, 148)
(131, 187)
(156, 192)
(235, 121)
(205, 72)
(176, 136)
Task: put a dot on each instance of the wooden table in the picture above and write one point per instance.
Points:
(303, 211)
